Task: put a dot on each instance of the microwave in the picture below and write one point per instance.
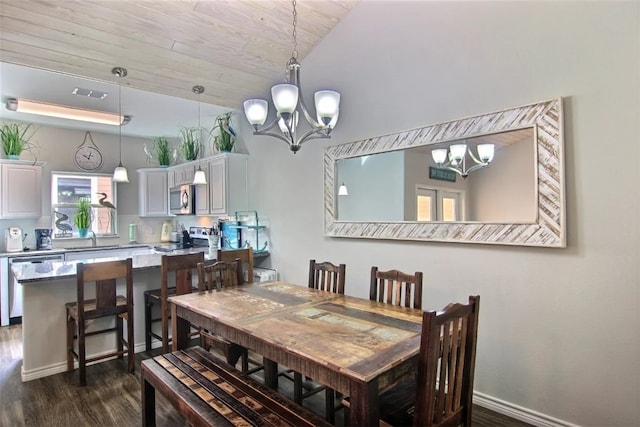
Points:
(182, 200)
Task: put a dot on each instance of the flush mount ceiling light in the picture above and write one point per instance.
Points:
(64, 112)
(457, 158)
(287, 98)
(120, 173)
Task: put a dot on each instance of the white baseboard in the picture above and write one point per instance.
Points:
(518, 412)
(58, 368)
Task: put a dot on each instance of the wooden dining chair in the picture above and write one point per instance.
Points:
(442, 393)
(395, 287)
(328, 277)
(176, 269)
(212, 278)
(244, 254)
(81, 313)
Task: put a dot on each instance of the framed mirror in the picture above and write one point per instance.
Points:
(390, 187)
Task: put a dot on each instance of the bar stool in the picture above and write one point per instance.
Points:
(106, 303)
(182, 267)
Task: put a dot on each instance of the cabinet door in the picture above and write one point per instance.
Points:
(153, 193)
(218, 186)
(21, 191)
(183, 175)
(202, 194)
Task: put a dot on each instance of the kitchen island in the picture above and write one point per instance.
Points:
(49, 285)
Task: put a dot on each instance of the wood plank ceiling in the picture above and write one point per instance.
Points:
(236, 49)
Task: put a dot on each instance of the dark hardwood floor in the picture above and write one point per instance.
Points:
(112, 396)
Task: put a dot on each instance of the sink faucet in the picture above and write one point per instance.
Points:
(93, 239)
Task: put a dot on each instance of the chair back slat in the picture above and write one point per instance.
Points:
(395, 287)
(220, 275)
(446, 365)
(327, 276)
(179, 267)
(103, 275)
(245, 255)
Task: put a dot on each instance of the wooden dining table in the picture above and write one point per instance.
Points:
(353, 345)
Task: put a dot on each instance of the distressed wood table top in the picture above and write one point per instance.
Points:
(353, 345)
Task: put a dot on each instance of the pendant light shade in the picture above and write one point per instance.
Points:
(199, 178)
(120, 173)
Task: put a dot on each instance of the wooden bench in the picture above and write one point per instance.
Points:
(209, 392)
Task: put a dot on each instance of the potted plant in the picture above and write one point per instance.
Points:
(191, 146)
(15, 139)
(82, 219)
(225, 138)
(161, 151)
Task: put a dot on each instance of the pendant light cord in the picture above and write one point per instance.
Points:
(120, 125)
(294, 33)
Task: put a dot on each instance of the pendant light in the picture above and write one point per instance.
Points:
(120, 173)
(199, 178)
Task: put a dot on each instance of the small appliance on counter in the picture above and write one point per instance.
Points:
(13, 240)
(43, 238)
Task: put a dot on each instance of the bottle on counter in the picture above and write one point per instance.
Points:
(133, 232)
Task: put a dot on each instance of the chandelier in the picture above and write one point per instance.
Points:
(455, 158)
(287, 99)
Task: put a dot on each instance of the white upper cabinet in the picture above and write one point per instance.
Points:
(226, 190)
(21, 185)
(183, 174)
(153, 192)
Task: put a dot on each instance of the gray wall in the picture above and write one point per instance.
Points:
(559, 334)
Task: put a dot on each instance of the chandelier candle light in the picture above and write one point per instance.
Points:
(457, 158)
(286, 98)
(120, 173)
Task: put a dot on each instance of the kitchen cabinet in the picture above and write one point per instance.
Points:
(226, 190)
(183, 174)
(21, 186)
(153, 192)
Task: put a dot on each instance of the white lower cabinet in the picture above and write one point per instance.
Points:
(153, 192)
(226, 190)
(21, 186)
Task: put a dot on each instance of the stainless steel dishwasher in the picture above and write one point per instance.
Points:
(11, 310)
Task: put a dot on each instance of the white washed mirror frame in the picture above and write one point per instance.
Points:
(548, 229)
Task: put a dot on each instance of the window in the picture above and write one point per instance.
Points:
(68, 188)
(434, 204)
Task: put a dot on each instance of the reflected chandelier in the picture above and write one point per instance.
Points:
(286, 98)
(457, 158)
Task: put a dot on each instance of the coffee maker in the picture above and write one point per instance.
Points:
(43, 238)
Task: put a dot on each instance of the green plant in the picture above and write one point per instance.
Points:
(82, 219)
(15, 138)
(225, 138)
(191, 146)
(162, 151)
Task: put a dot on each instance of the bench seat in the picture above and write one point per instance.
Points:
(209, 392)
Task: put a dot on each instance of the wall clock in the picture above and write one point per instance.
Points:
(88, 156)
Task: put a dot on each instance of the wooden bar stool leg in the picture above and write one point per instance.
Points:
(330, 408)
(131, 342)
(82, 355)
(119, 344)
(148, 305)
(70, 331)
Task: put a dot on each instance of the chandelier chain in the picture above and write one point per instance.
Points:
(294, 33)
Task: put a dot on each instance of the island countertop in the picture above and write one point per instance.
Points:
(27, 273)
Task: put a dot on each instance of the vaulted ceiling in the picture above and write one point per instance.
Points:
(234, 48)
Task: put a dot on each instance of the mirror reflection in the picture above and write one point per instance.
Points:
(490, 178)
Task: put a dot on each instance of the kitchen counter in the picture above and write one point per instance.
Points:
(49, 285)
(33, 252)
(56, 270)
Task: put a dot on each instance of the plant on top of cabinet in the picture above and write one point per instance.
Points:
(191, 146)
(15, 139)
(225, 138)
(82, 219)
(161, 151)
